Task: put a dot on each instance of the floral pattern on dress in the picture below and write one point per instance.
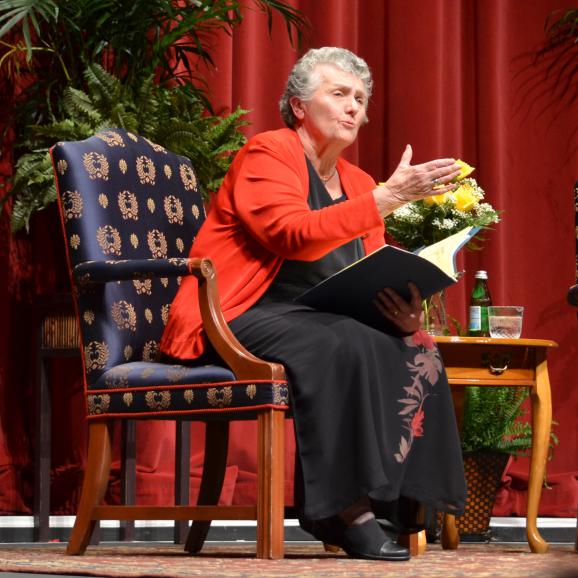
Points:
(425, 370)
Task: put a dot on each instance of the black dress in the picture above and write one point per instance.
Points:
(373, 412)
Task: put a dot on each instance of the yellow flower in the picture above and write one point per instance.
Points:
(465, 199)
(465, 170)
(436, 199)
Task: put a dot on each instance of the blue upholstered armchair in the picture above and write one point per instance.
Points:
(130, 210)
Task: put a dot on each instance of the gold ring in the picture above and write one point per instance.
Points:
(435, 183)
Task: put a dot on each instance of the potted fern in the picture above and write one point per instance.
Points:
(166, 115)
(492, 432)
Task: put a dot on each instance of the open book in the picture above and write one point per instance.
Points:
(351, 291)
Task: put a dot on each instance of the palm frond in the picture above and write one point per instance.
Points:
(26, 13)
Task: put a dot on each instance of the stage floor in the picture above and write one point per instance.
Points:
(307, 559)
(19, 529)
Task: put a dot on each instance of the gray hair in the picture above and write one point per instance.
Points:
(303, 81)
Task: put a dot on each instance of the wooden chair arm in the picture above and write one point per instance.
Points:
(243, 363)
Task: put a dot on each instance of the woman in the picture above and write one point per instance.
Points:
(373, 414)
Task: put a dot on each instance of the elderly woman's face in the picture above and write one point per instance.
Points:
(337, 108)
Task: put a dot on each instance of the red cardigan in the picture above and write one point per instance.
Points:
(260, 217)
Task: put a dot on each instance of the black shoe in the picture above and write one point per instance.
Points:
(366, 541)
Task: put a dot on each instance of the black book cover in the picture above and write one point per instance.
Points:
(351, 291)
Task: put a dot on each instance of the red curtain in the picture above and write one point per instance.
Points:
(453, 78)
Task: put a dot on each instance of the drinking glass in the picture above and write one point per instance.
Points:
(505, 321)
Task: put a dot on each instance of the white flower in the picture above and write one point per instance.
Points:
(444, 223)
(485, 210)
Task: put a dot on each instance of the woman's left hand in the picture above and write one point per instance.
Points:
(406, 316)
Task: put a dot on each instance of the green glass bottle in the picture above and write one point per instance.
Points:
(480, 301)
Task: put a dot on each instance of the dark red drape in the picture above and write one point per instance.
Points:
(453, 78)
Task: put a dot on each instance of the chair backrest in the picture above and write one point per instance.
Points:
(124, 197)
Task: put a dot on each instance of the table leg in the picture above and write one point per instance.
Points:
(42, 458)
(541, 424)
(450, 537)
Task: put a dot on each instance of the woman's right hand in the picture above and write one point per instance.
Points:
(414, 182)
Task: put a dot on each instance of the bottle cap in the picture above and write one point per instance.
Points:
(481, 275)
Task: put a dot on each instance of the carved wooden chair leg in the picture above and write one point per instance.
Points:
(215, 463)
(270, 484)
(415, 542)
(182, 476)
(94, 485)
(128, 475)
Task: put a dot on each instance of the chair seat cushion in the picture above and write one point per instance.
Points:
(162, 390)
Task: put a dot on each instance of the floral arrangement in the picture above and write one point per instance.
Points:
(424, 222)
(434, 218)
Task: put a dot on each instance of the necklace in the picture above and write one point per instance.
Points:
(327, 178)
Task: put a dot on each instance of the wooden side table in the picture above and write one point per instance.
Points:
(483, 361)
(57, 336)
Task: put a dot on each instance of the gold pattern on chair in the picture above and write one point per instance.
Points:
(196, 212)
(96, 165)
(157, 244)
(147, 372)
(151, 205)
(173, 210)
(146, 171)
(178, 261)
(165, 313)
(124, 315)
(158, 399)
(103, 200)
(134, 240)
(109, 240)
(74, 241)
(176, 373)
(150, 351)
(132, 136)
(127, 399)
(188, 177)
(96, 355)
(165, 282)
(143, 287)
(128, 205)
(117, 378)
(127, 352)
(189, 396)
(61, 166)
(156, 147)
(168, 171)
(251, 390)
(280, 394)
(111, 138)
(180, 245)
(88, 317)
(72, 205)
(220, 396)
(148, 315)
(123, 166)
(98, 404)
(83, 283)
